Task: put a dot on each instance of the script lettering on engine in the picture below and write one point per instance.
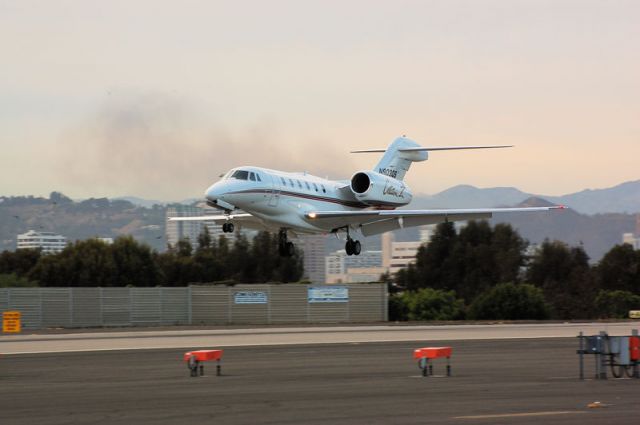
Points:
(388, 172)
(393, 191)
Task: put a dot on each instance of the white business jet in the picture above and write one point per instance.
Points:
(299, 203)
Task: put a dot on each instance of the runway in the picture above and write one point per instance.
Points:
(511, 374)
(159, 339)
(511, 381)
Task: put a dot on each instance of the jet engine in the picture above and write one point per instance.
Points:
(378, 190)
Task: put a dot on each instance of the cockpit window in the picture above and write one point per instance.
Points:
(240, 175)
(252, 177)
(258, 177)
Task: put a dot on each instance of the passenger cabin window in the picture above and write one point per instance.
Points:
(291, 181)
(323, 189)
(299, 184)
(308, 187)
(315, 187)
(284, 182)
(252, 177)
(240, 175)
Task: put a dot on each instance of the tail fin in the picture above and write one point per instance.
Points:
(402, 152)
(395, 162)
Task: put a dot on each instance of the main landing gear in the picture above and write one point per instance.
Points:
(285, 247)
(227, 227)
(352, 247)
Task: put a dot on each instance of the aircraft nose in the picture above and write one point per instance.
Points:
(213, 192)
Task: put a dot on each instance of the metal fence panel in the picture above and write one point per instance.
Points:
(176, 304)
(4, 299)
(242, 304)
(146, 306)
(27, 301)
(367, 303)
(56, 307)
(249, 304)
(86, 307)
(116, 306)
(289, 304)
(209, 305)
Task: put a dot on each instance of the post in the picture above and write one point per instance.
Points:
(636, 366)
(601, 356)
(448, 367)
(581, 354)
(218, 368)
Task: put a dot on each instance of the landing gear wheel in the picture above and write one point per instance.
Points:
(227, 227)
(348, 247)
(352, 247)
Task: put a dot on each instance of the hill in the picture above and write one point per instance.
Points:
(623, 198)
(79, 220)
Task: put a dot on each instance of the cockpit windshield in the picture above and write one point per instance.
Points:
(240, 175)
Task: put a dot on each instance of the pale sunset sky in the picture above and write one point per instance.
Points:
(157, 98)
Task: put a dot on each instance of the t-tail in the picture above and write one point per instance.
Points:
(402, 152)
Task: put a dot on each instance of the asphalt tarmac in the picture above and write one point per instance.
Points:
(508, 381)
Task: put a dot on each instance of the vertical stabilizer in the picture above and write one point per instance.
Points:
(395, 163)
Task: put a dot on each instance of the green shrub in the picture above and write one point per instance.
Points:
(433, 304)
(398, 308)
(13, 281)
(507, 301)
(616, 304)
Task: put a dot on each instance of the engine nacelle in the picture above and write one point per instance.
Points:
(378, 190)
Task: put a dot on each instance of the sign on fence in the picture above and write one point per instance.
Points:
(328, 294)
(11, 322)
(250, 297)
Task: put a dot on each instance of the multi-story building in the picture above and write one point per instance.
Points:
(48, 242)
(178, 230)
(631, 239)
(403, 254)
(339, 267)
(313, 260)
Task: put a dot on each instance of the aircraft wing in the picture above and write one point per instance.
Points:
(244, 219)
(373, 222)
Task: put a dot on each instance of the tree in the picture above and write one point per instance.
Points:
(134, 263)
(20, 261)
(616, 304)
(469, 262)
(508, 301)
(619, 269)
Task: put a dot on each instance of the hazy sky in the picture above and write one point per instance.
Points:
(156, 99)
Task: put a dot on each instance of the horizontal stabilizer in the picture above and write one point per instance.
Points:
(425, 149)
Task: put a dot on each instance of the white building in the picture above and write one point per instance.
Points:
(403, 254)
(313, 260)
(339, 262)
(48, 242)
(631, 240)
